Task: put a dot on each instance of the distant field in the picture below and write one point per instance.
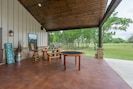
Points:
(111, 50)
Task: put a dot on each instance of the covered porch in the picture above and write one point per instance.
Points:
(35, 16)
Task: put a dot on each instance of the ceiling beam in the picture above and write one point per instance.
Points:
(72, 28)
(109, 11)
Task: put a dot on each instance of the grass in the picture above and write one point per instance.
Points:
(113, 50)
(119, 51)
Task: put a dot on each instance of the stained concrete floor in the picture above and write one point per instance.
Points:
(94, 74)
(124, 68)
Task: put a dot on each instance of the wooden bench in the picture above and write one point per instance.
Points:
(55, 54)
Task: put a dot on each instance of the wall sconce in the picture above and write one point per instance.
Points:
(11, 33)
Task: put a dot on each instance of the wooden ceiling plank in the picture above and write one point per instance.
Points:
(66, 13)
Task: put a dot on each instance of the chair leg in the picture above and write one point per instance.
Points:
(60, 56)
(49, 59)
(58, 59)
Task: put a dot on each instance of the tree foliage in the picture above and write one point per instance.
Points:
(116, 23)
(130, 39)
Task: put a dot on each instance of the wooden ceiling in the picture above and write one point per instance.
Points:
(66, 14)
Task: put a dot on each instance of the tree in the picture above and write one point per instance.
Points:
(115, 23)
(107, 38)
(118, 40)
(130, 39)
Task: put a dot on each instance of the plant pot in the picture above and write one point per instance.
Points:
(18, 59)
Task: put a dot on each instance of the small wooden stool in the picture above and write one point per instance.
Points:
(35, 56)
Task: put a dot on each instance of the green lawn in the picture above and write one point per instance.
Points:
(122, 51)
(111, 50)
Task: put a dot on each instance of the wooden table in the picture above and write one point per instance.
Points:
(72, 53)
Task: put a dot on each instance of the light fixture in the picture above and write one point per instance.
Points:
(39, 4)
(42, 27)
(11, 33)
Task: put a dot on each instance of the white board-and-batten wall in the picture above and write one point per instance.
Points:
(13, 16)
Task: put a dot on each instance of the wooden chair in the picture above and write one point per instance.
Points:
(55, 54)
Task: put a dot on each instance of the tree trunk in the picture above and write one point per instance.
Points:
(78, 44)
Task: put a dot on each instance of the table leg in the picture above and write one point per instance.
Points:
(79, 63)
(75, 60)
(43, 55)
(49, 59)
(64, 62)
(60, 56)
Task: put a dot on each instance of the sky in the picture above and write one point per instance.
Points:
(125, 9)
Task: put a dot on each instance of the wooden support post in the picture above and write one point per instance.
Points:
(99, 53)
(100, 37)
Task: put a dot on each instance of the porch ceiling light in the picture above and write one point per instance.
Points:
(11, 33)
(39, 4)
